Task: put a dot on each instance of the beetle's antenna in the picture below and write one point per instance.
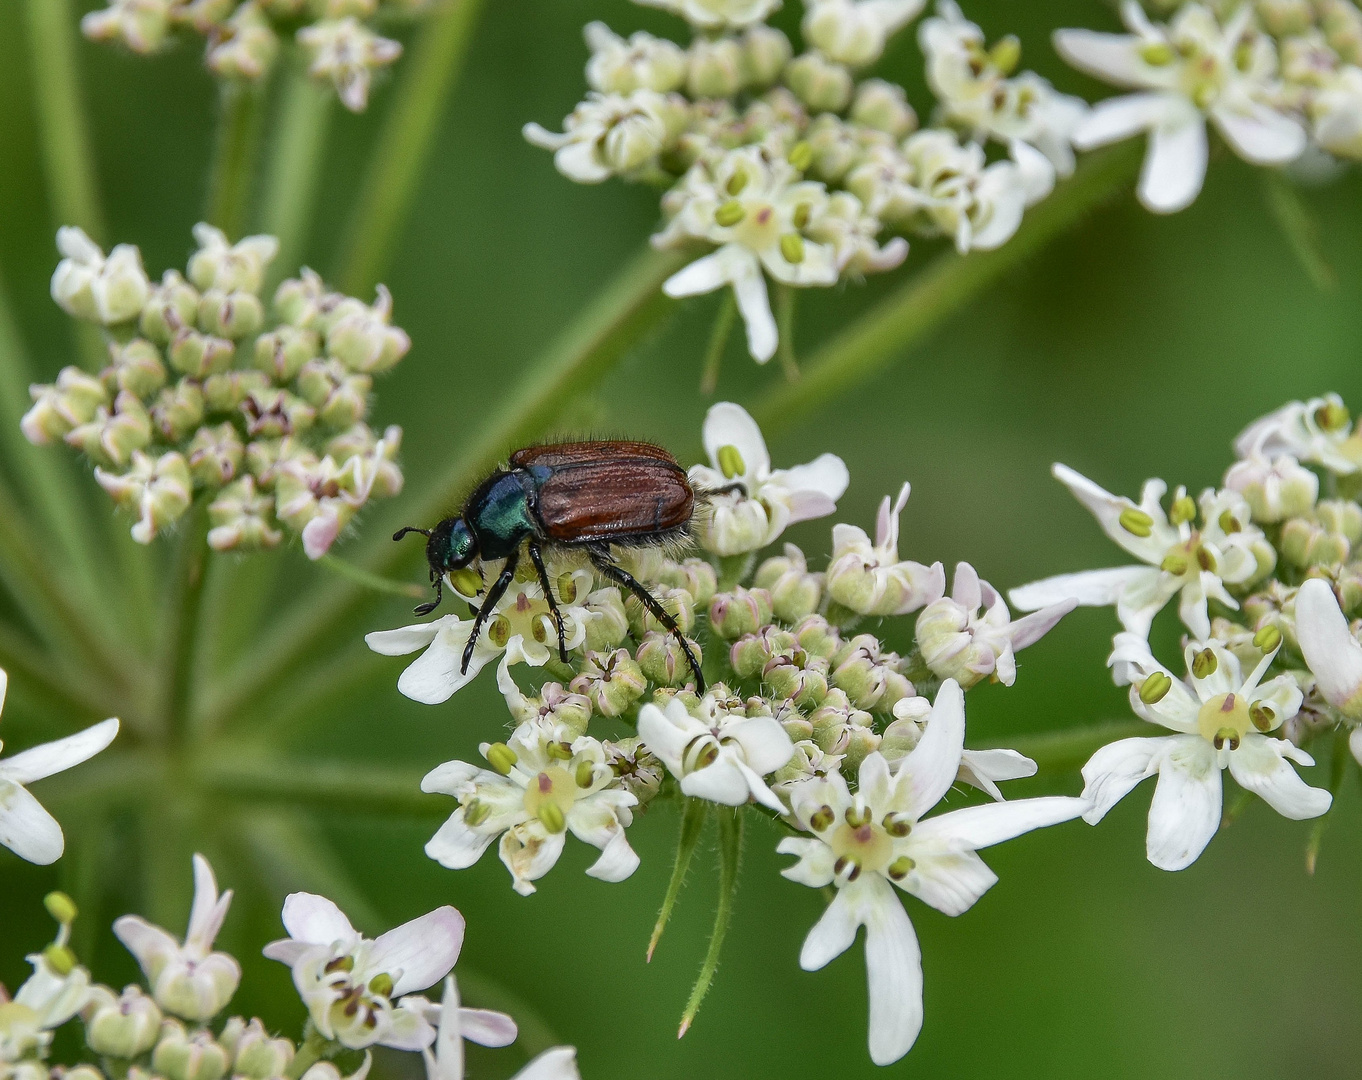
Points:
(410, 529)
(431, 605)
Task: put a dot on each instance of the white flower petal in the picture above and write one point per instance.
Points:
(765, 745)
(1185, 811)
(55, 757)
(1330, 650)
(754, 305)
(406, 639)
(456, 844)
(931, 766)
(618, 860)
(1089, 588)
(1258, 766)
(833, 934)
(950, 881)
(1112, 773)
(423, 949)
(1113, 58)
(1174, 166)
(728, 424)
(558, 1063)
(1260, 134)
(992, 823)
(316, 920)
(26, 828)
(436, 675)
(722, 782)
(208, 911)
(487, 1027)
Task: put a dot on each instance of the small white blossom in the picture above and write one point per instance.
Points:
(1181, 559)
(760, 502)
(350, 983)
(867, 842)
(1220, 718)
(1332, 653)
(520, 630)
(717, 14)
(970, 635)
(47, 999)
(869, 578)
(983, 769)
(456, 1024)
(1276, 488)
(25, 827)
(1192, 70)
(90, 286)
(189, 980)
(854, 32)
(141, 25)
(643, 62)
(347, 52)
(719, 756)
(611, 135)
(546, 783)
(1316, 432)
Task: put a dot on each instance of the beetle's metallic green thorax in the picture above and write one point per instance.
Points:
(501, 512)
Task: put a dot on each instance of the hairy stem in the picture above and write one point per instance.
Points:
(692, 824)
(888, 331)
(234, 154)
(629, 305)
(730, 856)
(399, 157)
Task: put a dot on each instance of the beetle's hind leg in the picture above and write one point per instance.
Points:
(494, 595)
(538, 559)
(600, 559)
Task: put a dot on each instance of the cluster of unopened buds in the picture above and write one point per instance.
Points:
(205, 395)
(795, 166)
(807, 715)
(243, 36)
(1267, 578)
(359, 993)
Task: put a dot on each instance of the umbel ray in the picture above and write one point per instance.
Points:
(584, 496)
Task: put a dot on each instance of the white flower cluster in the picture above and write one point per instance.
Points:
(794, 167)
(203, 394)
(1267, 580)
(359, 993)
(804, 717)
(1278, 79)
(243, 36)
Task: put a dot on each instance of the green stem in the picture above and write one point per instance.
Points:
(888, 331)
(692, 824)
(1338, 769)
(786, 298)
(1071, 748)
(399, 157)
(264, 777)
(730, 856)
(294, 166)
(183, 626)
(372, 582)
(314, 1047)
(629, 305)
(718, 343)
(1299, 227)
(63, 133)
(234, 154)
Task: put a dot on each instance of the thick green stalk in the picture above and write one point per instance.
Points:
(63, 134)
(786, 301)
(1071, 748)
(1339, 762)
(294, 166)
(888, 331)
(234, 153)
(730, 856)
(692, 824)
(629, 305)
(182, 626)
(398, 159)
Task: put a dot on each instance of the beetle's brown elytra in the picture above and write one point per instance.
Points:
(584, 495)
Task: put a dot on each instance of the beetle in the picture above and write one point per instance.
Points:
(586, 496)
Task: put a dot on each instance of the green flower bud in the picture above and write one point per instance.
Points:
(215, 455)
(660, 659)
(766, 51)
(172, 306)
(696, 576)
(819, 83)
(230, 314)
(178, 410)
(137, 367)
(676, 602)
(121, 1027)
(199, 355)
(883, 106)
(113, 438)
(739, 612)
(716, 68)
(183, 1057)
(818, 637)
(224, 393)
(613, 682)
(255, 1055)
(1341, 516)
(282, 353)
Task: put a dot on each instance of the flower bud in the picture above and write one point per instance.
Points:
(240, 517)
(363, 340)
(215, 455)
(696, 576)
(301, 301)
(643, 62)
(795, 592)
(158, 490)
(230, 314)
(1274, 490)
(141, 25)
(1306, 543)
(244, 47)
(871, 679)
(227, 267)
(716, 67)
(766, 51)
(609, 622)
(272, 413)
(224, 393)
(676, 602)
(788, 680)
(742, 611)
(1341, 516)
(89, 286)
(121, 1027)
(819, 83)
(254, 1054)
(73, 400)
(612, 682)
(883, 106)
(818, 637)
(172, 306)
(340, 398)
(752, 652)
(178, 410)
(283, 351)
(661, 659)
(137, 367)
(113, 437)
(184, 1057)
(846, 31)
(640, 772)
(198, 355)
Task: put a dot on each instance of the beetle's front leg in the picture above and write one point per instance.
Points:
(494, 595)
(538, 559)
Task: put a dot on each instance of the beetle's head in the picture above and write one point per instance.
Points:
(451, 545)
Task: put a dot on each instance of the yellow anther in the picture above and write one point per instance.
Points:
(901, 867)
(1136, 522)
(1204, 664)
(1264, 719)
(1175, 564)
(792, 247)
(585, 774)
(729, 213)
(822, 818)
(736, 182)
(1183, 509)
(552, 817)
(1267, 638)
(731, 463)
(475, 812)
(800, 155)
(501, 757)
(1156, 53)
(1155, 688)
(381, 984)
(1229, 523)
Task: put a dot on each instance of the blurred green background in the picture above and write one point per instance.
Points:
(1134, 346)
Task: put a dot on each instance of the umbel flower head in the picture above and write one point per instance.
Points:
(243, 36)
(208, 398)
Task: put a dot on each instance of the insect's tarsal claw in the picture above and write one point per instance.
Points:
(426, 608)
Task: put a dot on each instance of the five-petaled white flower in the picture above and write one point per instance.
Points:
(869, 578)
(189, 980)
(720, 756)
(1189, 71)
(520, 630)
(1332, 653)
(748, 504)
(544, 782)
(25, 827)
(350, 983)
(866, 842)
(456, 1024)
(1196, 562)
(1220, 719)
(971, 635)
(758, 210)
